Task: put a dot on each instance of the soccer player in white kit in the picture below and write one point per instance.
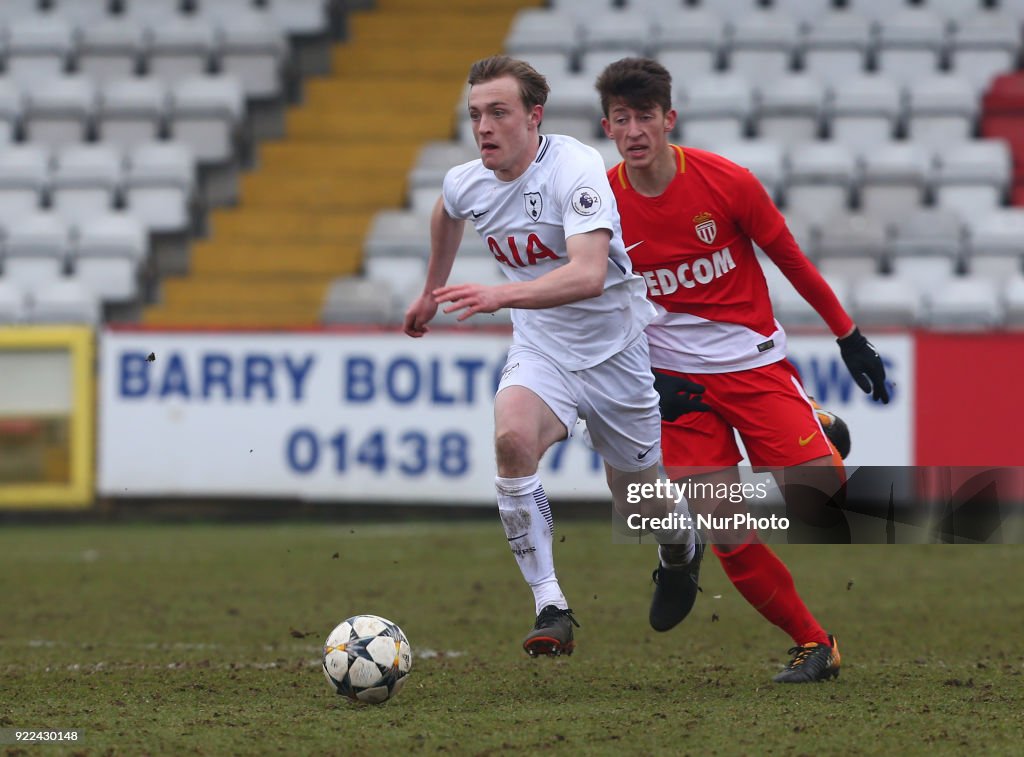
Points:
(544, 206)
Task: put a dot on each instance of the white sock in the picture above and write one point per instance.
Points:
(526, 516)
(678, 544)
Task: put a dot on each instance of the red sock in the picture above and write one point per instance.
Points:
(765, 582)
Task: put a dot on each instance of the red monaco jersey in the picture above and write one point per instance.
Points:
(693, 246)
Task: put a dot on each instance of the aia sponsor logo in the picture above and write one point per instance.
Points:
(518, 256)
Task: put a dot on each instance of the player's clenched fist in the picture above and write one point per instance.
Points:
(419, 314)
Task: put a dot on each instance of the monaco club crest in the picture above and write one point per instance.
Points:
(534, 204)
(705, 227)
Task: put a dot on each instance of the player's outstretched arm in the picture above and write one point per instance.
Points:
(445, 236)
(579, 279)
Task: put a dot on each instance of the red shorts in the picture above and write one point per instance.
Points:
(767, 406)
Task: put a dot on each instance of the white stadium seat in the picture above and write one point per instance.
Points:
(972, 177)
(910, 46)
(963, 303)
(159, 184)
(152, 11)
(85, 181)
(37, 248)
(59, 111)
(851, 235)
(180, 47)
(110, 48)
(894, 180)
(836, 45)
(714, 108)
(790, 109)
(998, 232)
(351, 300)
(1013, 300)
(864, 111)
(24, 176)
(254, 49)
(928, 231)
(206, 113)
(13, 303)
(820, 180)
(884, 300)
(131, 111)
(941, 110)
(399, 233)
(984, 45)
(39, 48)
(688, 43)
(83, 13)
(615, 29)
(12, 10)
(299, 17)
(763, 45)
(64, 301)
(926, 272)
(765, 160)
(108, 254)
(539, 30)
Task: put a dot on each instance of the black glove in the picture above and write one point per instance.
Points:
(678, 396)
(864, 364)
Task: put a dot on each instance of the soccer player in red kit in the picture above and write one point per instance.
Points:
(690, 219)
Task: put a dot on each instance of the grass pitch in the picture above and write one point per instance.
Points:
(205, 639)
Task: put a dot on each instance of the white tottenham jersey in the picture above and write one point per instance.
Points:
(525, 223)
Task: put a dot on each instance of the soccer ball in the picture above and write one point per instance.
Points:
(366, 658)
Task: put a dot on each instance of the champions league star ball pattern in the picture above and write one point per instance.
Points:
(366, 658)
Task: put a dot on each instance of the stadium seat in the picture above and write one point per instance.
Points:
(206, 113)
(762, 46)
(608, 151)
(13, 303)
(59, 111)
(64, 301)
(614, 29)
(13, 10)
(714, 108)
(928, 231)
(85, 181)
(399, 233)
(884, 300)
(998, 232)
(864, 111)
(108, 253)
(254, 50)
(911, 43)
(688, 43)
(301, 18)
(83, 13)
(835, 47)
(847, 235)
(941, 110)
(11, 107)
(984, 45)
(851, 269)
(110, 48)
(400, 273)
(131, 112)
(894, 180)
(39, 48)
(820, 180)
(152, 11)
(1013, 300)
(539, 30)
(805, 12)
(955, 10)
(926, 271)
(790, 109)
(972, 177)
(179, 48)
(350, 300)
(765, 160)
(36, 249)
(963, 303)
(995, 267)
(793, 310)
(876, 10)
(159, 184)
(555, 64)
(434, 161)
(24, 176)
(593, 62)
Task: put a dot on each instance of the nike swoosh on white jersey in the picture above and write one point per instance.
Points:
(637, 244)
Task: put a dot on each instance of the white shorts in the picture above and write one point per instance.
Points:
(616, 398)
